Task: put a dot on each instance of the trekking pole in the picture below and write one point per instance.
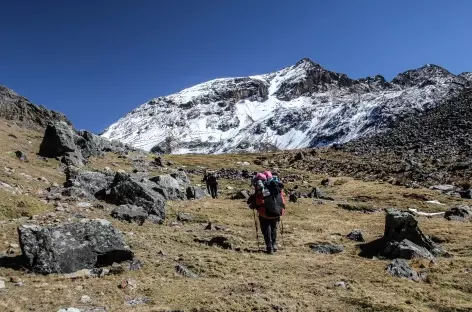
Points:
(257, 232)
(282, 232)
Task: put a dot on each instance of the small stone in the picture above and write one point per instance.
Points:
(230, 188)
(2, 284)
(15, 279)
(14, 245)
(340, 284)
(85, 299)
(129, 283)
(79, 288)
(356, 235)
(326, 248)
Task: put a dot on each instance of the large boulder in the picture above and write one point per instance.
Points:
(168, 187)
(59, 139)
(74, 148)
(72, 247)
(126, 190)
(400, 225)
(459, 213)
(402, 239)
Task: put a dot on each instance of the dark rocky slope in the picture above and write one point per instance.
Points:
(19, 109)
(427, 148)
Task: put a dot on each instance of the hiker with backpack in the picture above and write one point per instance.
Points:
(269, 202)
(211, 179)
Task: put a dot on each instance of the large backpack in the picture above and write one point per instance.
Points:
(273, 201)
(212, 179)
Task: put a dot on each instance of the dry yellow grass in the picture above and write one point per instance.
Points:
(294, 279)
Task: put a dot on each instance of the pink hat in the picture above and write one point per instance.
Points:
(261, 176)
(268, 174)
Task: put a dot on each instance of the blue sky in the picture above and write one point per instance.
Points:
(97, 60)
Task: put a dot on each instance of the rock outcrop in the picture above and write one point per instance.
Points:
(16, 108)
(75, 147)
(71, 247)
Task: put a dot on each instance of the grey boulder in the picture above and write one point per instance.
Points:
(72, 247)
(126, 190)
(168, 187)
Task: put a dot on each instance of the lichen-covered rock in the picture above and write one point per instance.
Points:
(68, 248)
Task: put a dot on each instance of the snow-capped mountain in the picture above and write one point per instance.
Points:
(303, 105)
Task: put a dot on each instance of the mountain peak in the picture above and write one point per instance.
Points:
(303, 105)
(307, 63)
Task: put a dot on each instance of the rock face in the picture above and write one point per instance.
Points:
(399, 268)
(71, 247)
(126, 190)
(300, 106)
(74, 148)
(18, 109)
(402, 239)
(459, 213)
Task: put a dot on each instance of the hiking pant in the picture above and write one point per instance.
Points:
(214, 190)
(208, 189)
(269, 230)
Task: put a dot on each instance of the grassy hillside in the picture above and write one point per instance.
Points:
(294, 279)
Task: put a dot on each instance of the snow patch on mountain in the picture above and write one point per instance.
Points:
(299, 106)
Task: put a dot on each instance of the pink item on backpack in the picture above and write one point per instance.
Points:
(268, 174)
(261, 176)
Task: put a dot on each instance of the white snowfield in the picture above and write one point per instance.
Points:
(299, 106)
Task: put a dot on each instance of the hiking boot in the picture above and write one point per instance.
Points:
(275, 247)
(269, 251)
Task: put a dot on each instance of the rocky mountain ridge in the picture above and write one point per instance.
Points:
(19, 109)
(300, 106)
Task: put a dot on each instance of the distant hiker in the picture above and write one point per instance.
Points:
(270, 205)
(211, 180)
